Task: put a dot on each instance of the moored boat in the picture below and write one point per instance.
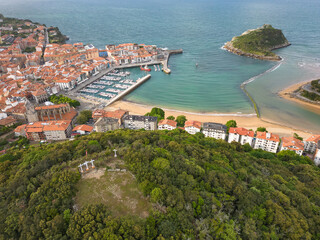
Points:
(145, 68)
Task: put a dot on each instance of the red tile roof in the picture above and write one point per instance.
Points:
(118, 114)
(171, 123)
(292, 143)
(268, 136)
(195, 124)
(314, 138)
(85, 128)
(7, 121)
(20, 128)
(242, 132)
(51, 106)
(48, 126)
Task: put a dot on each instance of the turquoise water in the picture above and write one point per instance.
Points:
(200, 28)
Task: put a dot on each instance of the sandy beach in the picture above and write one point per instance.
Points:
(286, 94)
(249, 122)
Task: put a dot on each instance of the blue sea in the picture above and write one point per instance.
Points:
(200, 28)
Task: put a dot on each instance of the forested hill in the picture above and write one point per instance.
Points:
(201, 188)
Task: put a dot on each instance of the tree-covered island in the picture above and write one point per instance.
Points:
(258, 43)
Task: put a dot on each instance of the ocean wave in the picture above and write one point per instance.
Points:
(223, 48)
(261, 74)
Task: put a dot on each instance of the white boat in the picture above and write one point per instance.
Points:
(113, 90)
(109, 95)
(121, 86)
(89, 91)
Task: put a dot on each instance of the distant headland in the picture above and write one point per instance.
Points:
(258, 43)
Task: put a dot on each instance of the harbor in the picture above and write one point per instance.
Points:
(115, 82)
(111, 86)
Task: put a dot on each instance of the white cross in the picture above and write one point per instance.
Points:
(115, 153)
(92, 163)
(86, 163)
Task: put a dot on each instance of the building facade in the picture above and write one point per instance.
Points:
(167, 124)
(50, 130)
(267, 141)
(214, 130)
(140, 122)
(82, 130)
(192, 127)
(241, 135)
(104, 124)
(311, 144)
(292, 144)
(317, 157)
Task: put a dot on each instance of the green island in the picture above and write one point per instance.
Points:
(162, 185)
(258, 43)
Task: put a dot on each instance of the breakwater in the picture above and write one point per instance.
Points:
(130, 89)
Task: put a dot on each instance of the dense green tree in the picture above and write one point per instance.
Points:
(156, 112)
(171, 118)
(84, 116)
(231, 123)
(261, 129)
(63, 99)
(201, 188)
(156, 195)
(295, 135)
(181, 120)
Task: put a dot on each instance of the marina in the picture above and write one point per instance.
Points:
(112, 85)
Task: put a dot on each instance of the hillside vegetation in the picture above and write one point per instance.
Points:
(259, 42)
(200, 188)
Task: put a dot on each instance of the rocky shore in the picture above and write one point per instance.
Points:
(230, 48)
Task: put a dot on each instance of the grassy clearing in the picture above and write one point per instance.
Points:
(117, 190)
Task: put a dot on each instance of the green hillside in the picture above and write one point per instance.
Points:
(199, 188)
(261, 41)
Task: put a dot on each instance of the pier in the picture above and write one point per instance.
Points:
(165, 62)
(130, 89)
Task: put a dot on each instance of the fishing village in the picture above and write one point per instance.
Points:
(43, 82)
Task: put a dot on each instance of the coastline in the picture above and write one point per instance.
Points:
(286, 94)
(249, 121)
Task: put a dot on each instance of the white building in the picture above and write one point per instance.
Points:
(167, 124)
(312, 143)
(241, 135)
(317, 157)
(214, 130)
(82, 130)
(139, 122)
(192, 127)
(66, 84)
(267, 141)
(292, 144)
